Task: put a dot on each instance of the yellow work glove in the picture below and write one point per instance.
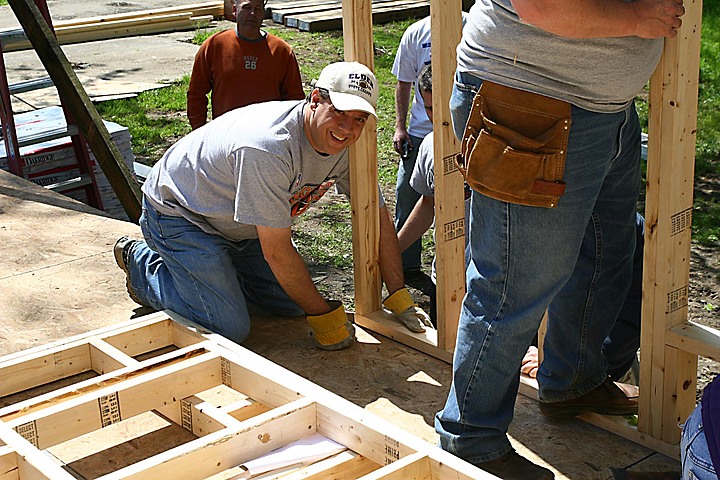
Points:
(406, 310)
(332, 331)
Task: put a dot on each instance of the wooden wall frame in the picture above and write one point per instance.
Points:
(670, 344)
(165, 365)
(446, 17)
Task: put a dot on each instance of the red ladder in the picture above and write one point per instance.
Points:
(16, 165)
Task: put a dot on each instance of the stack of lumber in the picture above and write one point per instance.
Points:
(143, 22)
(323, 15)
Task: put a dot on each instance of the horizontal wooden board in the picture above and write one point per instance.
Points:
(332, 19)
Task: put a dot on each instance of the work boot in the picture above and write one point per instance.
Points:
(121, 251)
(513, 466)
(607, 399)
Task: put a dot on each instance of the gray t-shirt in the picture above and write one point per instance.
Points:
(597, 74)
(251, 166)
(422, 180)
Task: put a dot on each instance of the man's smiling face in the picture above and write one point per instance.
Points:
(330, 130)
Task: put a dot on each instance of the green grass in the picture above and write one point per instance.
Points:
(3, 2)
(156, 118)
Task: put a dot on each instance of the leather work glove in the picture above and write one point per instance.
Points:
(332, 330)
(406, 310)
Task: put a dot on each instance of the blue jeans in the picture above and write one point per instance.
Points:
(621, 346)
(205, 278)
(525, 260)
(694, 452)
(405, 199)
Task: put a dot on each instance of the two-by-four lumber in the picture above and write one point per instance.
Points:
(132, 23)
(333, 19)
(105, 405)
(696, 339)
(29, 462)
(364, 198)
(228, 447)
(668, 219)
(86, 32)
(79, 105)
(450, 227)
(321, 9)
(279, 12)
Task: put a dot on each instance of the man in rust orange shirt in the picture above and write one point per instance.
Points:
(242, 66)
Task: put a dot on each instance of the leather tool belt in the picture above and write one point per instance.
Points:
(514, 146)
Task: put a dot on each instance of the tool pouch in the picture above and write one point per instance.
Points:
(514, 146)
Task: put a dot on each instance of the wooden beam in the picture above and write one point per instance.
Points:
(32, 464)
(695, 338)
(141, 22)
(668, 219)
(78, 103)
(59, 363)
(77, 389)
(450, 227)
(385, 324)
(333, 19)
(365, 202)
(227, 448)
(110, 404)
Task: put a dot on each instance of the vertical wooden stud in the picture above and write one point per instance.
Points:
(450, 225)
(358, 35)
(668, 215)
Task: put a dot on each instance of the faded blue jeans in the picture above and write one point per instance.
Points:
(405, 199)
(694, 452)
(575, 259)
(205, 278)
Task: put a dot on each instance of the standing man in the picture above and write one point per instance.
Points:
(412, 55)
(218, 209)
(579, 64)
(242, 66)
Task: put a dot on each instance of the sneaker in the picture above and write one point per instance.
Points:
(121, 250)
(513, 466)
(607, 399)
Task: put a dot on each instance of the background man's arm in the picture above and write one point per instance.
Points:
(390, 263)
(603, 18)
(402, 106)
(290, 269)
(417, 223)
(200, 86)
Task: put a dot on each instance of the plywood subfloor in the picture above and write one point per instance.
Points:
(58, 278)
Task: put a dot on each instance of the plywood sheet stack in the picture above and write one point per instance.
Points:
(67, 408)
(54, 161)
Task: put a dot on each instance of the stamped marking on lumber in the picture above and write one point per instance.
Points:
(454, 229)
(449, 164)
(186, 414)
(29, 432)
(392, 450)
(109, 409)
(225, 372)
(58, 358)
(677, 299)
(681, 221)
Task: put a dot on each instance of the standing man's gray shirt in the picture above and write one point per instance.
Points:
(597, 74)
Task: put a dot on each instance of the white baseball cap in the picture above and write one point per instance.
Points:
(352, 86)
